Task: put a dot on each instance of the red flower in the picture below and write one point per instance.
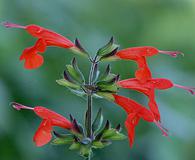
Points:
(50, 118)
(135, 53)
(45, 37)
(148, 88)
(135, 112)
(139, 55)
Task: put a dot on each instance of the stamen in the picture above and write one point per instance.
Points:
(189, 89)
(164, 130)
(171, 53)
(19, 106)
(12, 25)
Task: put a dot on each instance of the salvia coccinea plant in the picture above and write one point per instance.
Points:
(94, 134)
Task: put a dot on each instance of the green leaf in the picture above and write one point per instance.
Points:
(66, 83)
(74, 74)
(110, 81)
(77, 92)
(105, 95)
(98, 145)
(108, 88)
(106, 142)
(85, 151)
(96, 72)
(80, 47)
(75, 146)
(67, 139)
(108, 48)
(109, 133)
(109, 77)
(98, 121)
(118, 136)
(106, 73)
(100, 134)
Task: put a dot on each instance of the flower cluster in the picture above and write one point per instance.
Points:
(100, 85)
(146, 84)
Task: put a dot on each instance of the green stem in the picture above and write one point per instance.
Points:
(89, 100)
(89, 157)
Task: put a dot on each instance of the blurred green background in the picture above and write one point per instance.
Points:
(166, 24)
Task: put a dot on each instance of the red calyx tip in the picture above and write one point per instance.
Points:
(19, 106)
(12, 25)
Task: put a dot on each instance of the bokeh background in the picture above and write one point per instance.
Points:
(166, 24)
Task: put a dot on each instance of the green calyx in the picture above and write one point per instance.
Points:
(102, 136)
(108, 50)
(64, 82)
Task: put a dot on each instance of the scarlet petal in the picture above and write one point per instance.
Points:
(127, 104)
(34, 61)
(142, 62)
(55, 118)
(136, 52)
(153, 105)
(143, 74)
(134, 84)
(43, 134)
(130, 124)
(41, 45)
(161, 83)
(50, 37)
(146, 114)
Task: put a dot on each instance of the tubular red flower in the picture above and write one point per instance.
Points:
(50, 118)
(148, 89)
(139, 54)
(135, 53)
(135, 112)
(45, 37)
